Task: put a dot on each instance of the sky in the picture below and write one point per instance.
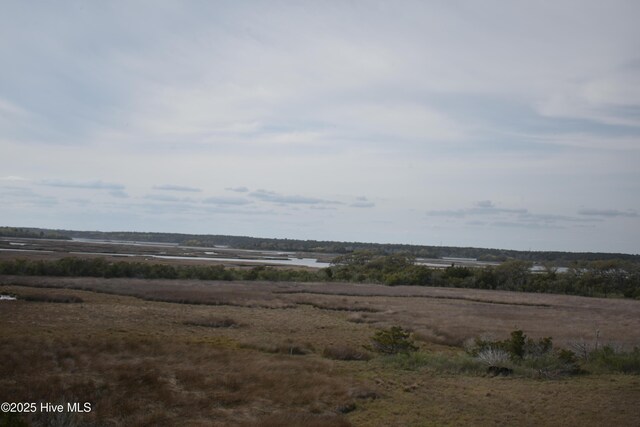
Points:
(502, 124)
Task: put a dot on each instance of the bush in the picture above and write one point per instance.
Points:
(518, 346)
(492, 356)
(392, 341)
(526, 356)
(608, 359)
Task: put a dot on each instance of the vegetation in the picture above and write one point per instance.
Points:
(32, 233)
(392, 341)
(64, 299)
(517, 347)
(609, 359)
(539, 355)
(344, 352)
(141, 362)
(214, 322)
(594, 279)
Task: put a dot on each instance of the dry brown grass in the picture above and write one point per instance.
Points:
(144, 362)
(214, 322)
(345, 352)
(148, 381)
(440, 315)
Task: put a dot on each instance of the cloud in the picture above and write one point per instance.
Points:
(91, 185)
(235, 201)
(119, 194)
(362, 202)
(273, 197)
(167, 198)
(507, 217)
(237, 189)
(608, 213)
(529, 225)
(483, 207)
(17, 197)
(169, 187)
(549, 218)
(485, 204)
(13, 178)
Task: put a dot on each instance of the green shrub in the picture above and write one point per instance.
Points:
(392, 341)
(608, 359)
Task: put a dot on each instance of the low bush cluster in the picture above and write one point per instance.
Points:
(516, 347)
(525, 353)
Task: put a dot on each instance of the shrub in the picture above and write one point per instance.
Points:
(608, 359)
(492, 356)
(392, 341)
(515, 345)
(518, 346)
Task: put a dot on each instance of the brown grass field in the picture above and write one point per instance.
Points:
(197, 353)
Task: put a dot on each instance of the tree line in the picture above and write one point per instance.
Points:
(32, 233)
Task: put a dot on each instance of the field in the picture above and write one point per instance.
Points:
(169, 352)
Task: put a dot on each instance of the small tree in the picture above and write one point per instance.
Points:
(515, 346)
(392, 341)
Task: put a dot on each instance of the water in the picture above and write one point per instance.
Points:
(123, 242)
(23, 250)
(298, 262)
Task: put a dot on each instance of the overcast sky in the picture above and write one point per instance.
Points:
(508, 124)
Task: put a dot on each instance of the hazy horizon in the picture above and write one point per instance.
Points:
(491, 125)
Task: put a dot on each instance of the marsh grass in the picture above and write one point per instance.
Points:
(55, 298)
(286, 347)
(339, 307)
(129, 379)
(436, 315)
(139, 364)
(345, 352)
(441, 363)
(214, 322)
